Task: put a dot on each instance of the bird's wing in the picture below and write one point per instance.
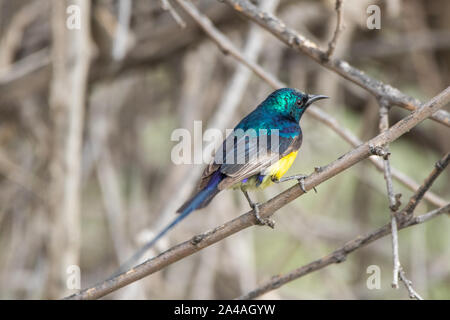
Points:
(246, 155)
(207, 173)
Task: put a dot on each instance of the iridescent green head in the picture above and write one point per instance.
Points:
(289, 102)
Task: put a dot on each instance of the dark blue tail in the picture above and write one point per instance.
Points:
(199, 200)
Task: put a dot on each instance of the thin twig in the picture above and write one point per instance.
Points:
(246, 220)
(337, 31)
(165, 5)
(414, 201)
(430, 215)
(408, 284)
(12, 37)
(393, 202)
(395, 255)
(339, 255)
(120, 42)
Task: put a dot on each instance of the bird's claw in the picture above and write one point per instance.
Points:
(259, 219)
(301, 182)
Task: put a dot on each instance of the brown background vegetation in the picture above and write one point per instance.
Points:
(86, 175)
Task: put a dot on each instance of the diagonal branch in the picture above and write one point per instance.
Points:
(300, 43)
(165, 5)
(246, 220)
(414, 201)
(408, 284)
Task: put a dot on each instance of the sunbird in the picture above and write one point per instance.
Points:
(265, 154)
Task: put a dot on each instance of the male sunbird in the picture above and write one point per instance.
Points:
(254, 160)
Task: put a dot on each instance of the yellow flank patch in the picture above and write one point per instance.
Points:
(275, 171)
(279, 168)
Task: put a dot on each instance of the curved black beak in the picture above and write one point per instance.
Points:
(314, 97)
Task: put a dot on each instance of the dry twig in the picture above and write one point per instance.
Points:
(414, 201)
(408, 284)
(337, 31)
(394, 202)
(165, 4)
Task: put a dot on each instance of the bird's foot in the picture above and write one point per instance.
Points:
(259, 219)
(301, 182)
(299, 177)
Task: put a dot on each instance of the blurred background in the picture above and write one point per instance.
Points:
(86, 117)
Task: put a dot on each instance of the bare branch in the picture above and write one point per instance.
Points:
(393, 203)
(337, 31)
(408, 284)
(414, 201)
(13, 36)
(165, 4)
(120, 43)
(395, 256)
(30, 71)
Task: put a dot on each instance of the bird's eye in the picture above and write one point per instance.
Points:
(302, 101)
(305, 99)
